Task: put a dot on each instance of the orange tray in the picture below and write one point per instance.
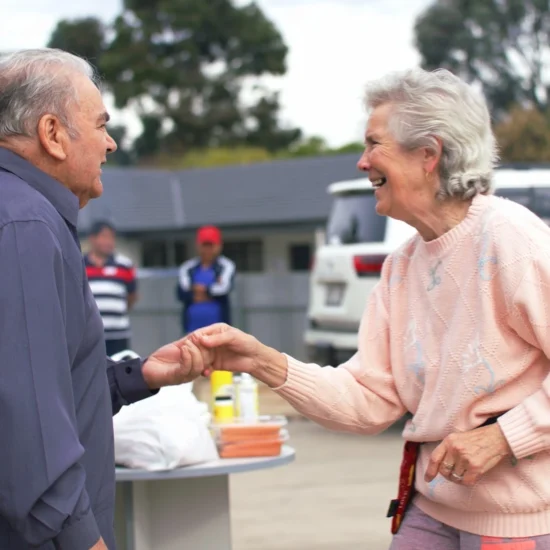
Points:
(230, 434)
(251, 449)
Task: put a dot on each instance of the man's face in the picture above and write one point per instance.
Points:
(87, 152)
(103, 244)
(208, 252)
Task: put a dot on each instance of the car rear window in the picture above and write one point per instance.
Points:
(353, 219)
(537, 199)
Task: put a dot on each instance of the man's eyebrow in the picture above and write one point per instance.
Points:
(104, 117)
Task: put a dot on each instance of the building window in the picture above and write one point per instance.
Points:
(163, 253)
(180, 252)
(299, 257)
(247, 255)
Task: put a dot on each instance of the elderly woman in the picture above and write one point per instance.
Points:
(456, 332)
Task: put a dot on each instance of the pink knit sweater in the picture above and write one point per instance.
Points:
(457, 331)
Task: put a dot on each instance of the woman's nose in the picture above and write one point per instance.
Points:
(363, 164)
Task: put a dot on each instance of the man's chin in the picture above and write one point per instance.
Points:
(95, 192)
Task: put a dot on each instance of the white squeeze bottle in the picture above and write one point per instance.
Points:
(248, 398)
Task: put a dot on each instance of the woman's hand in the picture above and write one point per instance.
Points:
(226, 348)
(464, 457)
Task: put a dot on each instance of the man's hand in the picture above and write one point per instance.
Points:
(99, 545)
(173, 364)
(464, 457)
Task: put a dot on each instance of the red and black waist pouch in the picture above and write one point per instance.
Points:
(406, 489)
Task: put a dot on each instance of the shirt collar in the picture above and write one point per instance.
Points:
(62, 199)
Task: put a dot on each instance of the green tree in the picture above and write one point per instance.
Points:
(123, 155)
(317, 146)
(353, 147)
(524, 136)
(501, 44)
(266, 131)
(182, 65)
(209, 158)
(310, 147)
(84, 37)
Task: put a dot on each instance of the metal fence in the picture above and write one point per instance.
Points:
(272, 307)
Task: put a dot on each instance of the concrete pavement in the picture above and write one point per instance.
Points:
(334, 497)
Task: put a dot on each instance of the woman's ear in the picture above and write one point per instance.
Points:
(432, 156)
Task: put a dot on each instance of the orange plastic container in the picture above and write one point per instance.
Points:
(251, 448)
(231, 434)
(245, 439)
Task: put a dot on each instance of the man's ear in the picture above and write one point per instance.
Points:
(53, 137)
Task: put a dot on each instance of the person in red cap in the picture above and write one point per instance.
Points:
(205, 283)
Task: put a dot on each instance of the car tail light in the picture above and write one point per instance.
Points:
(368, 266)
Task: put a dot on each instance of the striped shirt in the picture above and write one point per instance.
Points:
(111, 285)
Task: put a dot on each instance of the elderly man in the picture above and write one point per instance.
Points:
(58, 390)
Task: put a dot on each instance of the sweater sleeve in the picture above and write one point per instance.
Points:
(527, 426)
(359, 396)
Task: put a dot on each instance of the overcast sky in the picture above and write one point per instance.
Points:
(335, 47)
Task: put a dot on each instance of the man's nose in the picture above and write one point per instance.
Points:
(111, 145)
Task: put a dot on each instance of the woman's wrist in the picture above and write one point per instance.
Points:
(270, 367)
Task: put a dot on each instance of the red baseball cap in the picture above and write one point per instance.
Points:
(209, 234)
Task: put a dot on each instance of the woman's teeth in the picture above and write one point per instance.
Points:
(379, 182)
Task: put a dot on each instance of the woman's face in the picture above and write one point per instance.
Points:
(403, 189)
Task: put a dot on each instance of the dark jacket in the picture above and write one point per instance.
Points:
(224, 270)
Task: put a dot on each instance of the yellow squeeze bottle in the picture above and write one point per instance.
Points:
(221, 384)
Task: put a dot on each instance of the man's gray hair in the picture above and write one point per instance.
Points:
(427, 106)
(34, 83)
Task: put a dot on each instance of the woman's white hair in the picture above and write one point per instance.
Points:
(34, 83)
(427, 106)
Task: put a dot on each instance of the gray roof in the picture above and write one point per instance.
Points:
(280, 192)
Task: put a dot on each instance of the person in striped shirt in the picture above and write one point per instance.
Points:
(112, 279)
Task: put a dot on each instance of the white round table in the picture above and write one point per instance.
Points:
(183, 509)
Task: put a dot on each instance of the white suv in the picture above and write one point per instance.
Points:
(348, 265)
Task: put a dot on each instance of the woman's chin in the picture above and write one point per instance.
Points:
(382, 207)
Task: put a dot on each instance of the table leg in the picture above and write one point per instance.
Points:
(174, 514)
(124, 516)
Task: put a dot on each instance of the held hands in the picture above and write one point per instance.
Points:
(223, 347)
(217, 347)
(173, 364)
(464, 457)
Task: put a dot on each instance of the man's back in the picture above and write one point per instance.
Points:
(55, 404)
